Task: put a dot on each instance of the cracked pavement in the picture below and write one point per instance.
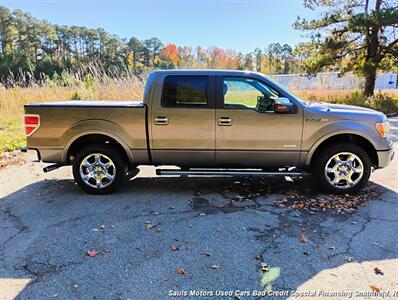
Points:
(47, 225)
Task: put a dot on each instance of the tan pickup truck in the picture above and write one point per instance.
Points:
(211, 123)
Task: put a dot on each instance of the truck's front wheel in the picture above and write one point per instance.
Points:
(342, 168)
(99, 169)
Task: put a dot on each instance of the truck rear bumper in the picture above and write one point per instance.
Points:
(25, 150)
(385, 157)
(46, 155)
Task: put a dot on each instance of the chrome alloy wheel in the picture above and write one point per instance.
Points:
(344, 170)
(97, 170)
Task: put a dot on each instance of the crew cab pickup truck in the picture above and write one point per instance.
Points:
(210, 122)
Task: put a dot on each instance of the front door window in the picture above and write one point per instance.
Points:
(248, 93)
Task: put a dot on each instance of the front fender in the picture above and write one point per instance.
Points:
(95, 126)
(338, 128)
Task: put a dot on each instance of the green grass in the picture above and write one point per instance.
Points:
(248, 98)
(11, 134)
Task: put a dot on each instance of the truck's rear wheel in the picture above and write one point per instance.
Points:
(99, 169)
(342, 168)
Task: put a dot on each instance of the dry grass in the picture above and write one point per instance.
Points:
(12, 101)
(335, 95)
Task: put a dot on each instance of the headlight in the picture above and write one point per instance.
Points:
(383, 128)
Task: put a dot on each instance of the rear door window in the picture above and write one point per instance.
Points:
(185, 91)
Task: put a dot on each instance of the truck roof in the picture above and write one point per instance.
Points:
(206, 72)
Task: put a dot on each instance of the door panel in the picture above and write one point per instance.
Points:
(183, 130)
(250, 138)
(258, 139)
(189, 135)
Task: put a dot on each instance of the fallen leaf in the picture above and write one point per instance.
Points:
(374, 288)
(303, 238)
(149, 225)
(378, 271)
(92, 253)
(300, 205)
(215, 267)
(175, 247)
(181, 271)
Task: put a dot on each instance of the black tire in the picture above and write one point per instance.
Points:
(322, 158)
(116, 157)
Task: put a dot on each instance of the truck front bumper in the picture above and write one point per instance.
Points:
(385, 157)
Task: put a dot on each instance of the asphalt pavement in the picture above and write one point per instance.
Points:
(193, 237)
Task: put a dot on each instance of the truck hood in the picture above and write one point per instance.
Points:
(344, 110)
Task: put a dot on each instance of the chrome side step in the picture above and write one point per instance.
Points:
(226, 172)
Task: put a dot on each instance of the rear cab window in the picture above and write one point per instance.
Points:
(185, 91)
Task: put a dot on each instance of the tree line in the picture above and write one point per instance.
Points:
(36, 48)
(348, 35)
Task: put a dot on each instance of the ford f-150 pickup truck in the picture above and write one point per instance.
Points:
(210, 122)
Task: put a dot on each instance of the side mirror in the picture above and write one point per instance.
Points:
(282, 106)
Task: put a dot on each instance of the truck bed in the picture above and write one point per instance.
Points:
(62, 122)
(90, 103)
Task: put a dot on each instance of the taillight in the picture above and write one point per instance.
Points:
(32, 123)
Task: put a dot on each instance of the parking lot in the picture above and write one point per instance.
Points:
(162, 237)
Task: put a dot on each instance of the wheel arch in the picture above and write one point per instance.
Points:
(355, 138)
(91, 137)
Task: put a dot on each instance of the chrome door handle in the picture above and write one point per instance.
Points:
(224, 121)
(161, 120)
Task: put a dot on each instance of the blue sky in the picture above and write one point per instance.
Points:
(238, 24)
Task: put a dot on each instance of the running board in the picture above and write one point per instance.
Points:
(225, 172)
